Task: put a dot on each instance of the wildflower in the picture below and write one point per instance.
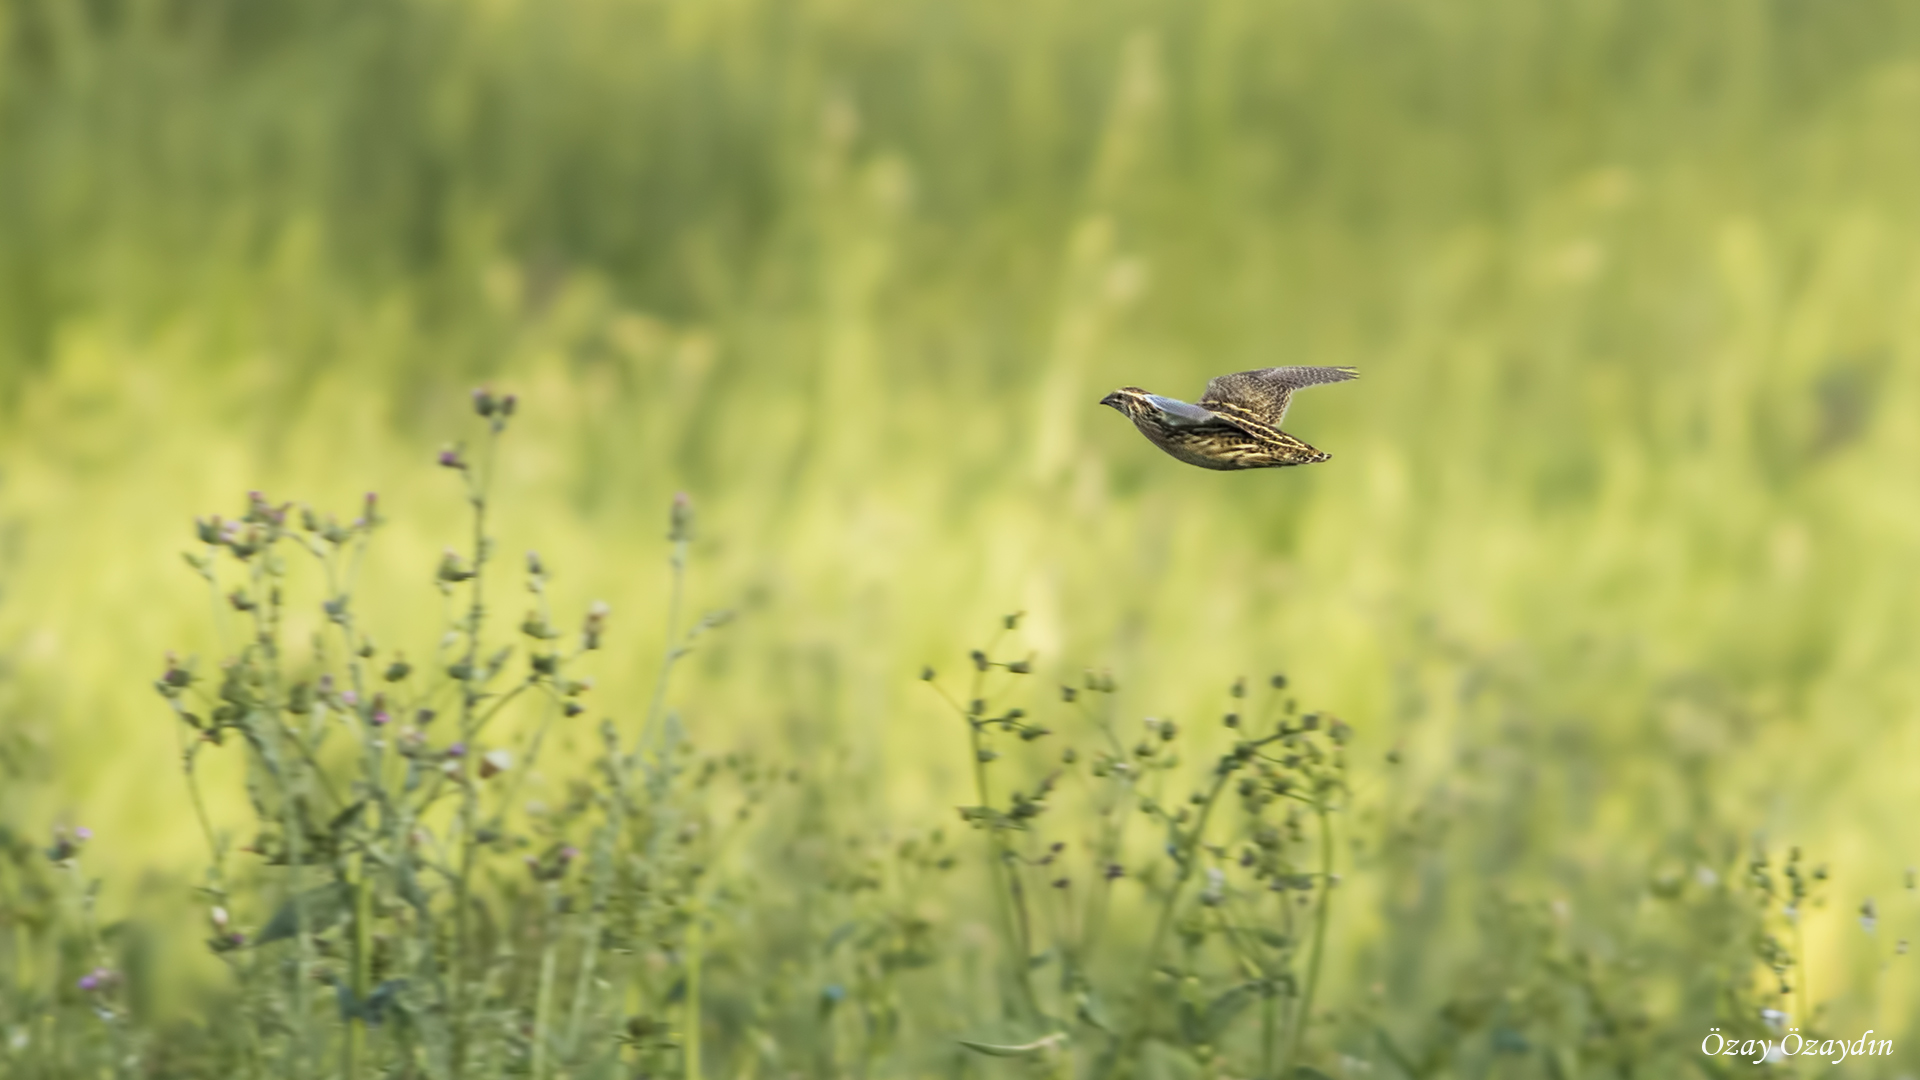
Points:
(450, 459)
(457, 750)
(380, 718)
(66, 846)
(97, 979)
(483, 402)
(349, 698)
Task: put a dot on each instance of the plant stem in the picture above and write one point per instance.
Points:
(1136, 1028)
(362, 970)
(543, 1002)
(469, 806)
(1304, 1015)
(695, 941)
(1002, 885)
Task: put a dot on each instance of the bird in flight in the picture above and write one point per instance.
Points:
(1236, 422)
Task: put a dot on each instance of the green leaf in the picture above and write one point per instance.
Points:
(324, 905)
(1222, 1010)
(1037, 1046)
(1308, 1072)
(346, 817)
(1396, 1055)
(1089, 1009)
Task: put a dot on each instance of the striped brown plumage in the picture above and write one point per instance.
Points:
(1236, 422)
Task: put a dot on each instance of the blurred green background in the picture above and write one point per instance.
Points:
(1617, 542)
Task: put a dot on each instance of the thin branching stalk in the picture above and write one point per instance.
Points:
(1303, 1016)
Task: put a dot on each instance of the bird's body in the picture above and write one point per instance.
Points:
(1236, 422)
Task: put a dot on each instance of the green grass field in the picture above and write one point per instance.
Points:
(1611, 572)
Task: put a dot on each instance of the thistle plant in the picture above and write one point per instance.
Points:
(1239, 887)
(431, 920)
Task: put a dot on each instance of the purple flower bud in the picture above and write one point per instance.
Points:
(88, 982)
(457, 750)
(450, 458)
(569, 853)
(380, 718)
(349, 698)
(81, 832)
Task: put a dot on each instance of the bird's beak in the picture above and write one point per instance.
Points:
(1112, 399)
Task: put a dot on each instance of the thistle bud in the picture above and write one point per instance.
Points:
(483, 402)
(451, 570)
(680, 519)
(595, 625)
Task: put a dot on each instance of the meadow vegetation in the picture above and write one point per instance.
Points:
(1559, 719)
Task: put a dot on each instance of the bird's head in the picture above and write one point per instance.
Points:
(1128, 400)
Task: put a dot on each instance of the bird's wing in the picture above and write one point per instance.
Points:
(1266, 391)
(1180, 414)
